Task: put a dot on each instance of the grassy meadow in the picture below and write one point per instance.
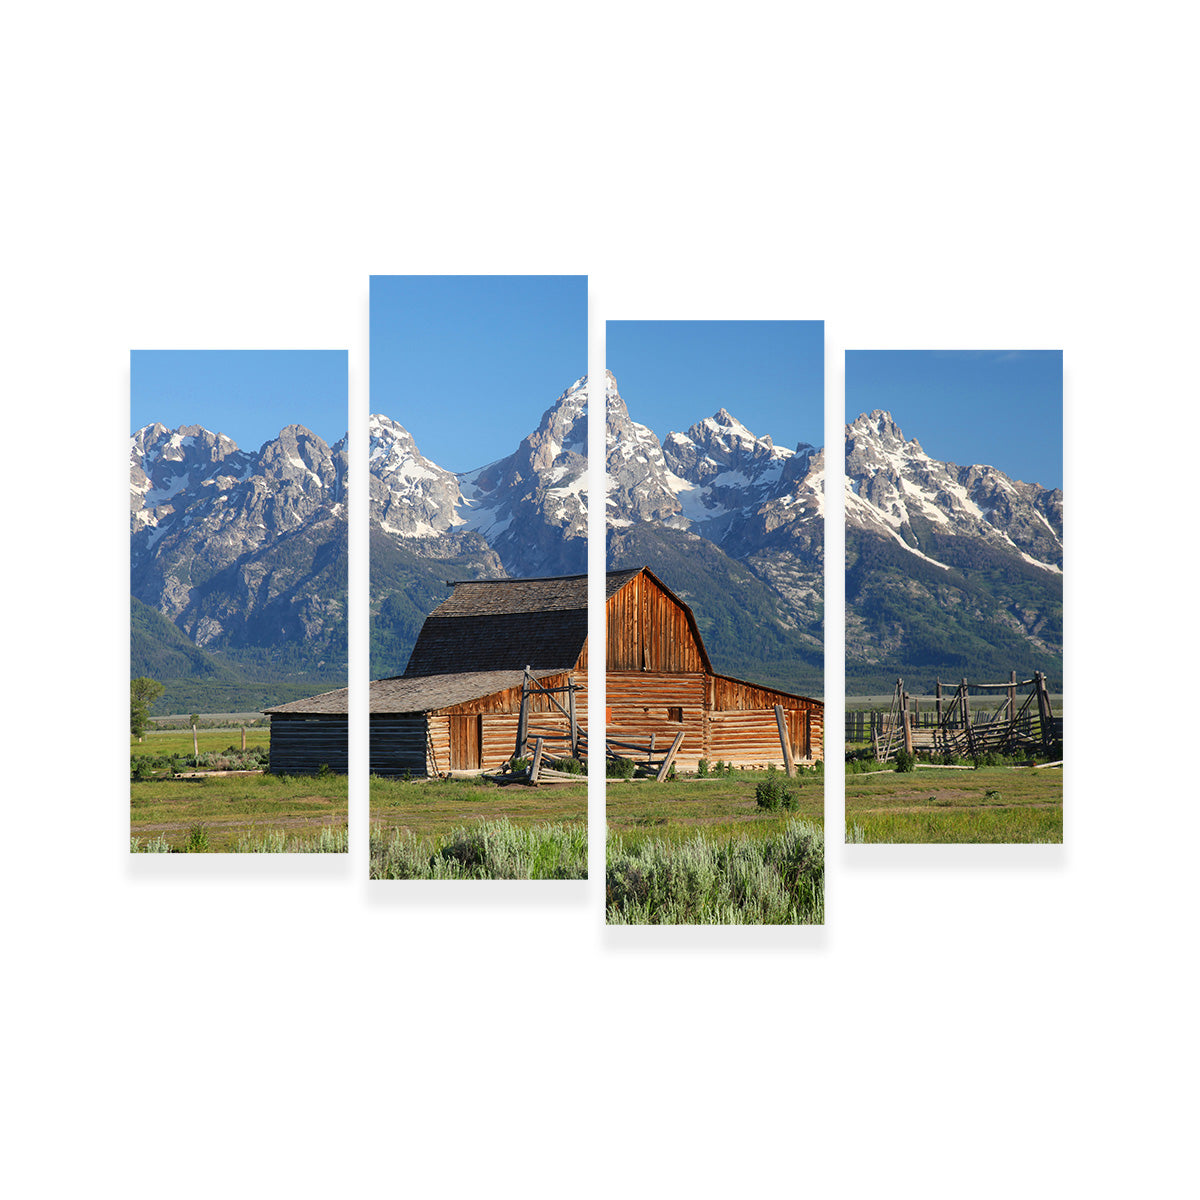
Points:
(930, 804)
(231, 805)
(475, 829)
(158, 742)
(701, 851)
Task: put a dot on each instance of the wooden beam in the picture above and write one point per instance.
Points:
(522, 719)
(666, 763)
(537, 761)
(785, 741)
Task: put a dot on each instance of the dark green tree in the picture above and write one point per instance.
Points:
(142, 694)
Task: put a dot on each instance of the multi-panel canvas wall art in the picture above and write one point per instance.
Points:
(238, 566)
(479, 742)
(954, 596)
(715, 603)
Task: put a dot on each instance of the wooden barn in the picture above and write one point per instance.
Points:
(458, 705)
(660, 683)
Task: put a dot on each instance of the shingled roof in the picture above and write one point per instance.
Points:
(327, 702)
(425, 694)
(504, 625)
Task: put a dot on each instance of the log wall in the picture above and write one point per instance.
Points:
(398, 744)
(639, 704)
(302, 743)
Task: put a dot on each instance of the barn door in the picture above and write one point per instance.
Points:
(466, 742)
(799, 733)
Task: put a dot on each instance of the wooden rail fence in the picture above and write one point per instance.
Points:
(960, 724)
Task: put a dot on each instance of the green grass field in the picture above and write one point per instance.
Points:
(437, 806)
(212, 741)
(475, 829)
(991, 804)
(244, 812)
(700, 851)
(716, 807)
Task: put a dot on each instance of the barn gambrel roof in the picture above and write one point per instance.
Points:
(504, 625)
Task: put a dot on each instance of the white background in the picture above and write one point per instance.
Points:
(987, 1021)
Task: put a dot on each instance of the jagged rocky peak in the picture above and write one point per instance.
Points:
(532, 506)
(411, 496)
(718, 444)
(561, 435)
(641, 486)
(165, 464)
(894, 487)
(874, 440)
(878, 423)
(529, 507)
(299, 457)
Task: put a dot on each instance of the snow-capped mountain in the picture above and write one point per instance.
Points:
(719, 511)
(529, 508)
(243, 552)
(639, 485)
(718, 479)
(951, 570)
(894, 488)
(410, 496)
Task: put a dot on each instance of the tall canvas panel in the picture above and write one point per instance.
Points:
(478, 565)
(715, 603)
(238, 631)
(954, 596)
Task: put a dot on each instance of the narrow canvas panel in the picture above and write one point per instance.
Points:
(715, 597)
(478, 568)
(954, 596)
(238, 653)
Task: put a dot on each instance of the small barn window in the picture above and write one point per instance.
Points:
(675, 714)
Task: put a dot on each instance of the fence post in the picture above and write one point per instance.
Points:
(785, 741)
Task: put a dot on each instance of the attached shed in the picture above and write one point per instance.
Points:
(659, 681)
(311, 733)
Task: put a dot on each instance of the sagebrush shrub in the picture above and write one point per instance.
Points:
(619, 768)
(773, 793)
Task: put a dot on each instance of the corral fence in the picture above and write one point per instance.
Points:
(647, 763)
(546, 737)
(966, 720)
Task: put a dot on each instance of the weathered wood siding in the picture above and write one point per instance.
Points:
(640, 703)
(499, 715)
(398, 744)
(302, 743)
(729, 697)
(649, 631)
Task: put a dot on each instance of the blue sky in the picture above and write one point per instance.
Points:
(468, 363)
(999, 407)
(768, 374)
(248, 395)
